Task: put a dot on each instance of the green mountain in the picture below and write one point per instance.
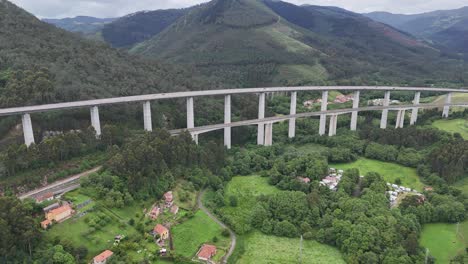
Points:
(260, 43)
(41, 63)
(82, 24)
(446, 29)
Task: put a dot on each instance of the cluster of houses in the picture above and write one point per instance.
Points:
(380, 102)
(56, 213)
(168, 204)
(333, 179)
(339, 99)
(397, 190)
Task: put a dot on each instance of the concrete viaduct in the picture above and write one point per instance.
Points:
(265, 125)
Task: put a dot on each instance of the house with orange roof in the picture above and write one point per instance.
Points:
(45, 224)
(59, 214)
(162, 231)
(168, 198)
(206, 252)
(46, 197)
(103, 257)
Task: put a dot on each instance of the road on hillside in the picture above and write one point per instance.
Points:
(232, 234)
(61, 186)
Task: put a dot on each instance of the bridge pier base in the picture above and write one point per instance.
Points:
(323, 117)
(414, 112)
(354, 115)
(261, 115)
(383, 121)
(147, 116)
(227, 120)
(292, 111)
(27, 130)
(268, 134)
(95, 122)
(400, 121)
(448, 100)
(190, 113)
(333, 125)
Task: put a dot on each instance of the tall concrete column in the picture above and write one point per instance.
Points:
(195, 137)
(448, 100)
(190, 113)
(354, 115)
(147, 116)
(414, 112)
(400, 121)
(292, 111)
(383, 121)
(333, 125)
(261, 115)
(227, 120)
(95, 122)
(268, 134)
(323, 117)
(27, 130)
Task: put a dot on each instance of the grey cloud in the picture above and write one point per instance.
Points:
(116, 8)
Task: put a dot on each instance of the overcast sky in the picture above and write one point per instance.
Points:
(116, 8)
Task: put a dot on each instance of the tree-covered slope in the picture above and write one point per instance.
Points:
(259, 43)
(34, 54)
(82, 24)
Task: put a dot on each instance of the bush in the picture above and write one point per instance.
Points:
(225, 233)
(233, 201)
(131, 222)
(215, 239)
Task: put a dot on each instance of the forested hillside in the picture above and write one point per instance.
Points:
(54, 65)
(260, 43)
(83, 24)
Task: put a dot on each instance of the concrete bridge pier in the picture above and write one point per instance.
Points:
(268, 134)
(383, 121)
(261, 115)
(147, 116)
(333, 125)
(191, 118)
(414, 112)
(448, 100)
(292, 111)
(27, 130)
(354, 115)
(227, 120)
(323, 118)
(400, 121)
(95, 122)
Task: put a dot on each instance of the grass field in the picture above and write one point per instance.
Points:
(390, 171)
(260, 248)
(442, 240)
(456, 98)
(453, 126)
(246, 189)
(190, 235)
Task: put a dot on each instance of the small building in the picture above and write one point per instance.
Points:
(46, 197)
(428, 189)
(168, 198)
(174, 209)
(45, 224)
(206, 252)
(162, 231)
(103, 257)
(303, 179)
(154, 212)
(51, 207)
(59, 214)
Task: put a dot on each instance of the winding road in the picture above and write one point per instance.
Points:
(232, 234)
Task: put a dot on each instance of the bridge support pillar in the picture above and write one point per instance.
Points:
(147, 116)
(333, 125)
(448, 100)
(323, 117)
(354, 115)
(400, 121)
(95, 122)
(261, 115)
(27, 130)
(383, 121)
(268, 134)
(414, 112)
(292, 111)
(227, 120)
(190, 113)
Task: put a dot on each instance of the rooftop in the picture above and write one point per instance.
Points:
(103, 256)
(206, 251)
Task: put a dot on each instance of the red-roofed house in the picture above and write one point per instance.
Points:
(206, 252)
(304, 179)
(103, 257)
(59, 214)
(162, 231)
(155, 212)
(169, 198)
(45, 224)
(46, 197)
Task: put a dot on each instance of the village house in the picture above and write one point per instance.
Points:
(59, 214)
(303, 179)
(333, 179)
(154, 213)
(341, 99)
(103, 257)
(45, 224)
(169, 199)
(174, 209)
(162, 231)
(206, 252)
(46, 197)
